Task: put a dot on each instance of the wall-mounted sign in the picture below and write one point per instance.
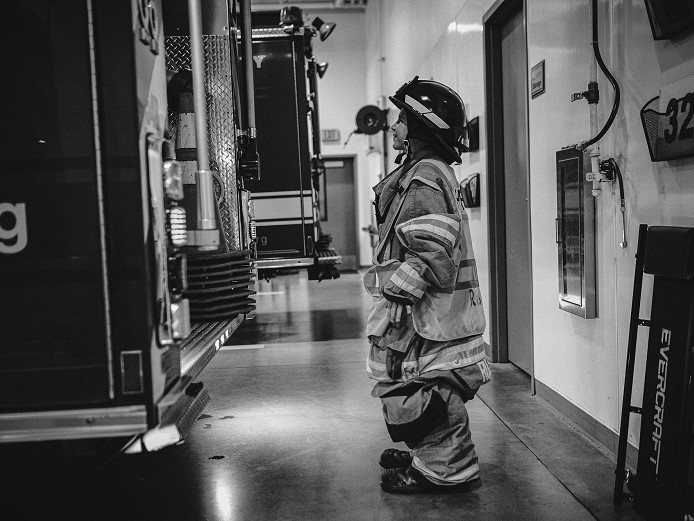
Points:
(330, 134)
(537, 79)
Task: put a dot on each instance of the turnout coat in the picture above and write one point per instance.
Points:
(424, 259)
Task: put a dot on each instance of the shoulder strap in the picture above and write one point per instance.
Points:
(389, 226)
(448, 175)
(445, 169)
(452, 182)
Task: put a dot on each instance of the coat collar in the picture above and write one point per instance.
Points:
(390, 185)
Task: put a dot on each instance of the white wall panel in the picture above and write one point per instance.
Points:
(465, 33)
(657, 193)
(587, 366)
(573, 356)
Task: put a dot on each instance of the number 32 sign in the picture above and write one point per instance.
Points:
(670, 129)
(676, 125)
(679, 112)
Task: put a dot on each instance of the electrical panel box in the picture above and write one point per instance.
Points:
(575, 235)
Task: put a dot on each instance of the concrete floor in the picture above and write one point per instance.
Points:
(291, 433)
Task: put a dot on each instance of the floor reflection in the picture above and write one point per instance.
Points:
(292, 434)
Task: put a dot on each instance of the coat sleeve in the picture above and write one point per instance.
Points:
(429, 236)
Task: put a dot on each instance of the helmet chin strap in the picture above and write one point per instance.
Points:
(404, 153)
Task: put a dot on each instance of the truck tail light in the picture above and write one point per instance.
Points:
(177, 226)
(173, 180)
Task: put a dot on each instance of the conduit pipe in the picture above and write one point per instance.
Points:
(597, 58)
(209, 238)
(608, 170)
(593, 95)
(247, 37)
(593, 80)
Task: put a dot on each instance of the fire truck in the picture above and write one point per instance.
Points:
(286, 74)
(128, 251)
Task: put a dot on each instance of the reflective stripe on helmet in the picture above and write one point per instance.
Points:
(425, 112)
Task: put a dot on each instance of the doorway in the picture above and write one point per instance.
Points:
(337, 208)
(508, 185)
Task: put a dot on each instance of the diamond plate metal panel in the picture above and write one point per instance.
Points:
(272, 32)
(219, 94)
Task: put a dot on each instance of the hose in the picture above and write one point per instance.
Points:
(619, 178)
(607, 73)
(622, 205)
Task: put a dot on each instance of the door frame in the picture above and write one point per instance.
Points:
(355, 177)
(494, 19)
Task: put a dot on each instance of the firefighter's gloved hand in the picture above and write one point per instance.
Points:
(397, 313)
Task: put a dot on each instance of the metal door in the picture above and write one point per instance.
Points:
(516, 196)
(338, 217)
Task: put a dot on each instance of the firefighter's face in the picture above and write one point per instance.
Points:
(399, 129)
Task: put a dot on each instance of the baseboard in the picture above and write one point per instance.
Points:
(604, 437)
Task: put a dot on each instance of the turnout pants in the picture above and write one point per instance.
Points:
(446, 454)
(428, 413)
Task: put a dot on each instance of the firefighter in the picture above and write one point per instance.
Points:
(426, 320)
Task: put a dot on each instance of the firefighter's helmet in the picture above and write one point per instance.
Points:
(440, 109)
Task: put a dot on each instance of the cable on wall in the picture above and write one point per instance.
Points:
(608, 74)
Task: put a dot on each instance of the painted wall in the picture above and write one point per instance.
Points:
(341, 93)
(587, 366)
(582, 360)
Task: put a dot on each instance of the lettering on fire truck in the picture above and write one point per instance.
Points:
(13, 227)
(259, 60)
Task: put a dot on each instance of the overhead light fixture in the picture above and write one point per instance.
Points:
(324, 28)
(321, 68)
